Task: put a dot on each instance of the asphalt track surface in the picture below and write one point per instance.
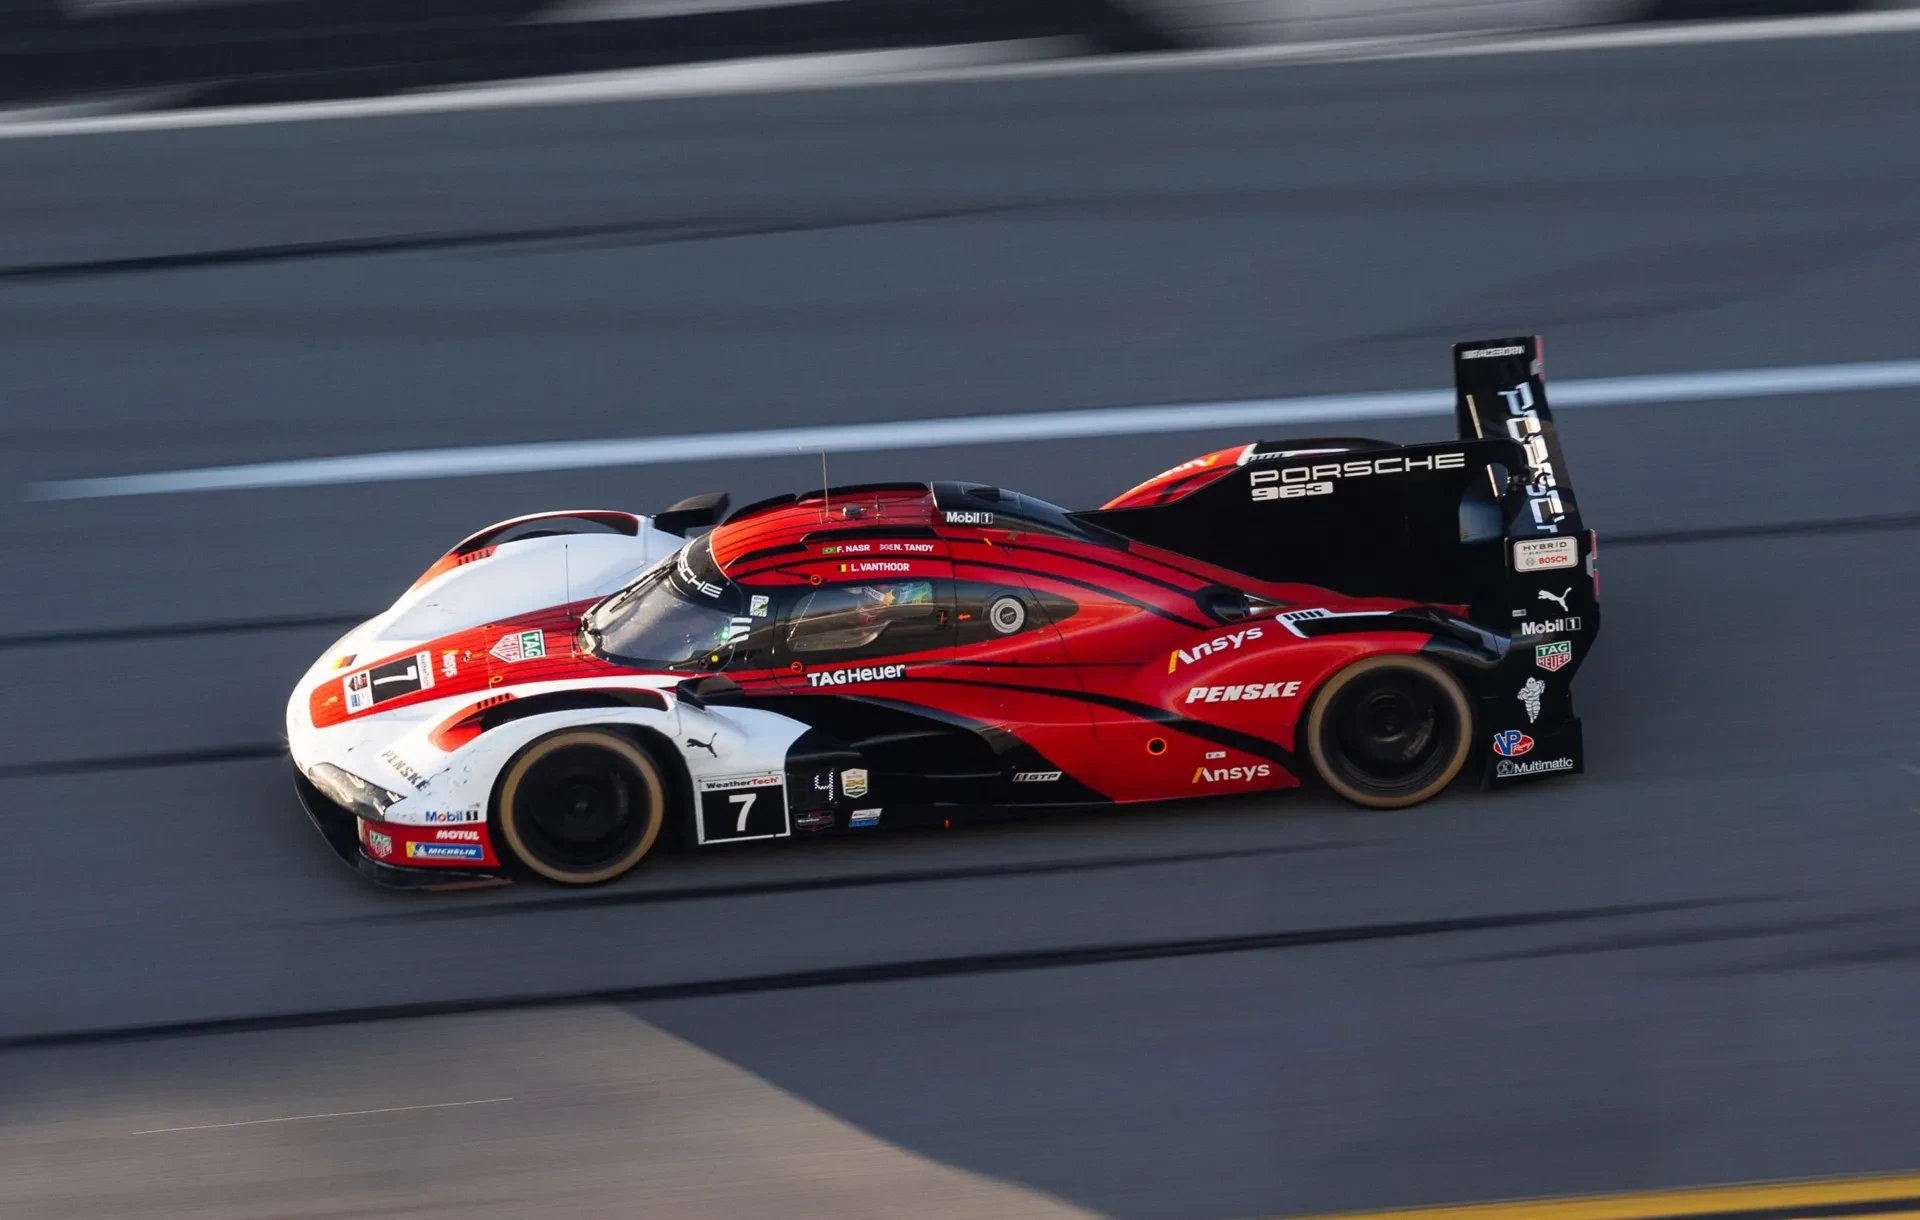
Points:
(1694, 964)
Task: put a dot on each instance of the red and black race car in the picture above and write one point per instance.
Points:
(1378, 618)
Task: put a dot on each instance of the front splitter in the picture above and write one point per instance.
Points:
(341, 831)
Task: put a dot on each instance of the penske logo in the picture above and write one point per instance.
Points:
(1230, 775)
(1250, 690)
(1219, 643)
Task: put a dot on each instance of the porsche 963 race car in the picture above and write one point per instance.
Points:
(560, 691)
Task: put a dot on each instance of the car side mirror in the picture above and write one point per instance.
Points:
(692, 513)
(696, 691)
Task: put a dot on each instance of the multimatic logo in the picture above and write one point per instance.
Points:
(1296, 482)
(866, 673)
(1543, 487)
(1219, 643)
(1504, 768)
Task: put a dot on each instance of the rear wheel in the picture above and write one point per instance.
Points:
(1387, 732)
(581, 806)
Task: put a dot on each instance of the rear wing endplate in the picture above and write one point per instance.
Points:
(1499, 392)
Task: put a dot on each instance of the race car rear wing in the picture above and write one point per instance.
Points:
(1499, 391)
(1477, 523)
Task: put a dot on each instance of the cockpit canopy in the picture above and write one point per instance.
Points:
(680, 615)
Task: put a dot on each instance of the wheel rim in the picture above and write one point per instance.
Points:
(1395, 733)
(581, 810)
(1390, 728)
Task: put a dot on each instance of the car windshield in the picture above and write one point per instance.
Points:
(678, 616)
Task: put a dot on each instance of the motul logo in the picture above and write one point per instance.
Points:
(1219, 643)
(1218, 775)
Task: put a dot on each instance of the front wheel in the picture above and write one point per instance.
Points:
(1391, 731)
(581, 806)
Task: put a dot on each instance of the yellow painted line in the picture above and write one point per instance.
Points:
(1881, 1197)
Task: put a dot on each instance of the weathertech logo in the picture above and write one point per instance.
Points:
(1252, 690)
(1221, 775)
(1219, 643)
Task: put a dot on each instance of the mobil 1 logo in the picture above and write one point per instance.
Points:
(735, 808)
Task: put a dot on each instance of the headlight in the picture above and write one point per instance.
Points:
(352, 792)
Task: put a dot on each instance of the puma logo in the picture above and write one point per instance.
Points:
(1560, 600)
(706, 745)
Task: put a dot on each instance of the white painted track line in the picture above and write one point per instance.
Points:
(761, 75)
(969, 430)
(973, 62)
(301, 1118)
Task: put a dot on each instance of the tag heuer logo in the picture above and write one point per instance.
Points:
(1551, 657)
(520, 646)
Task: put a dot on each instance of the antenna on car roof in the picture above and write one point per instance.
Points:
(826, 504)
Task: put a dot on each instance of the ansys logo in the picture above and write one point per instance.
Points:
(1219, 643)
(1216, 775)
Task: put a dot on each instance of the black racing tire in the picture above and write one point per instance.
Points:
(1390, 731)
(581, 806)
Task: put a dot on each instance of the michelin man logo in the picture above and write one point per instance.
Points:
(1530, 693)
